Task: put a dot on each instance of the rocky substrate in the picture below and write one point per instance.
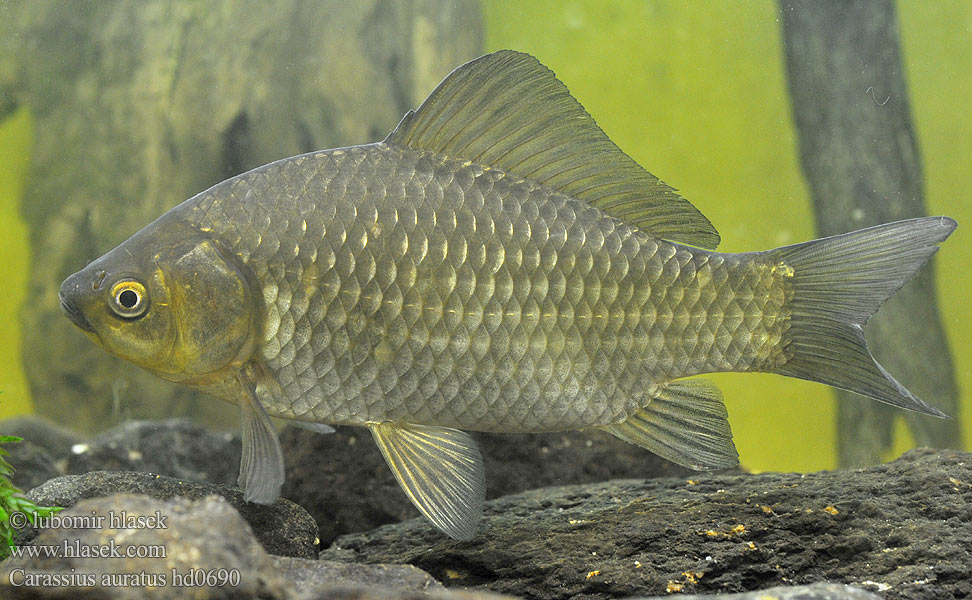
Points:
(900, 530)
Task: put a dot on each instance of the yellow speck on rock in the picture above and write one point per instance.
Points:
(736, 530)
(594, 573)
(830, 509)
(453, 574)
(958, 483)
(766, 509)
(692, 576)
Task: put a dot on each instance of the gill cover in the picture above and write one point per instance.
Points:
(213, 313)
(170, 301)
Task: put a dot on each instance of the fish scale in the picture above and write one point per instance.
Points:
(496, 264)
(467, 297)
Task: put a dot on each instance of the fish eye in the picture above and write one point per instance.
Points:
(129, 299)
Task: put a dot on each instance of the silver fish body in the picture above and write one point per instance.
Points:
(399, 285)
(495, 264)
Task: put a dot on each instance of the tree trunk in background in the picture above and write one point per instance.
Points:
(860, 158)
(141, 104)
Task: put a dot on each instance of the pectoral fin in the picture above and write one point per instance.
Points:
(441, 472)
(262, 465)
(685, 423)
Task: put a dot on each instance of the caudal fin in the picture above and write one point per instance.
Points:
(838, 283)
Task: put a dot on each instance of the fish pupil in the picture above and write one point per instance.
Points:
(128, 299)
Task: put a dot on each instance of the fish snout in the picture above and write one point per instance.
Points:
(70, 296)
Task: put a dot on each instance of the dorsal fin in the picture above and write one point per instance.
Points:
(508, 111)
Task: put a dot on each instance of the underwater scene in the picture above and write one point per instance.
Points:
(541, 299)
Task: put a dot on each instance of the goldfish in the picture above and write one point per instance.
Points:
(496, 263)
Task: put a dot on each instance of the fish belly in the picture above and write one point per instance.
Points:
(404, 286)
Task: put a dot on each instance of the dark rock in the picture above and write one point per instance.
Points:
(524, 461)
(343, 481)
(174, 447)
(56, 440)
(283, 527)
(903, 529)
(199, 539)
(816, 591)
(32, 464)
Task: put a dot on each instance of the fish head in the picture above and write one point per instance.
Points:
(170, 300)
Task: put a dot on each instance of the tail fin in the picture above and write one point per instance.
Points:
(838, 283)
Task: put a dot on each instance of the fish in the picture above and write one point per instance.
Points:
(498, 264)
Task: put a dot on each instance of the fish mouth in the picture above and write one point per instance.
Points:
(73, 312)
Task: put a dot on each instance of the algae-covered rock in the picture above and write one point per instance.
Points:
(904, 529)
(283, 527)
(189, 548)
(183, 548)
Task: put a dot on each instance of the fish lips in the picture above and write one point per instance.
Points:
(69, 296)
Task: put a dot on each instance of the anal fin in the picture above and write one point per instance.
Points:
(262, 464)
(440, 470)
(685, 423)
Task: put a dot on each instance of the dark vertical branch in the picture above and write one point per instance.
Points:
(860, 158)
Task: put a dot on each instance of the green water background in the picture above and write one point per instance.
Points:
(695, 92)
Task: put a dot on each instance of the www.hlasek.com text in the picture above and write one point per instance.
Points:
(75, 549)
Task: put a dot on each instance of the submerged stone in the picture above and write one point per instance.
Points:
(903, 529)
(174, 447)
(343, 481)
